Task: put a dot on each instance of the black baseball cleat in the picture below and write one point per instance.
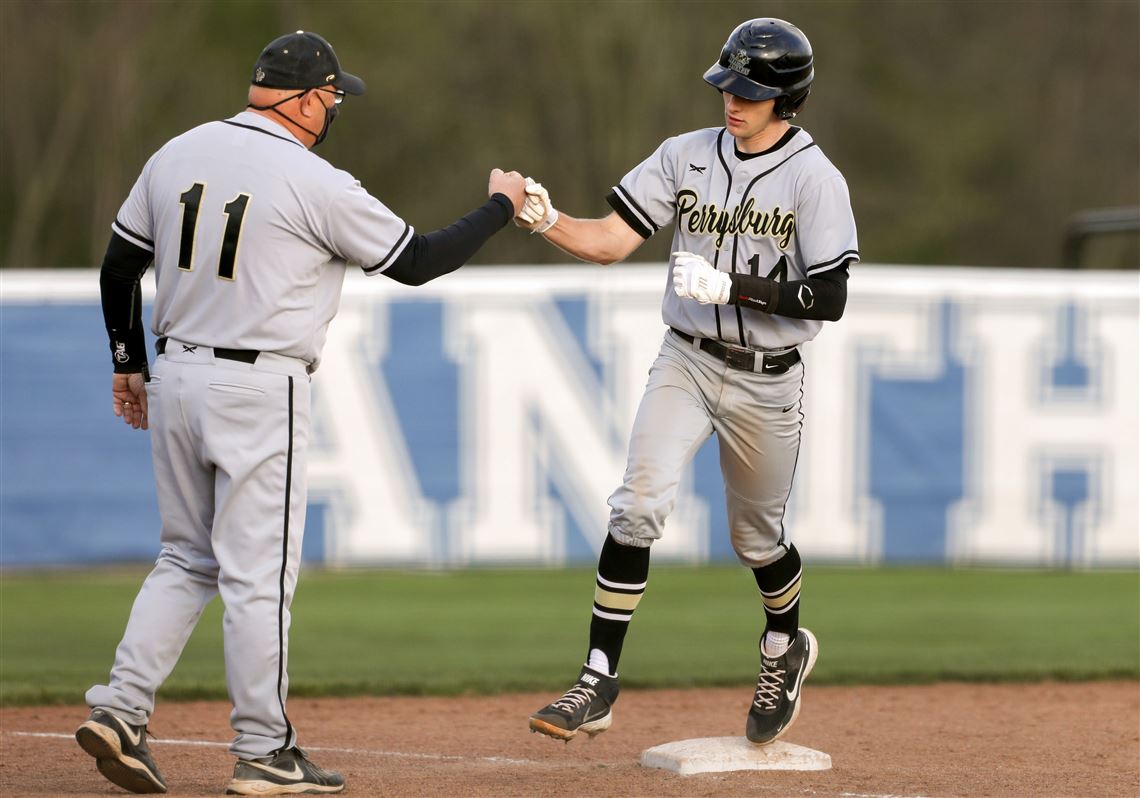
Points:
(779, 687)
(120, 752)
(289, 772)
(587, 706)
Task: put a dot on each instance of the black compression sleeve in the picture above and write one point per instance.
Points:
(821, 297)
(121, 294)
(443, 251)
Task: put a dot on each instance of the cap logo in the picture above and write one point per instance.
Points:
(259, 75)
(738, 62)
(330, 78)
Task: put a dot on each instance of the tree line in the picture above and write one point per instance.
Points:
(968, 132)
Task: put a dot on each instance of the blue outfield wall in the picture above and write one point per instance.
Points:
(953, 415)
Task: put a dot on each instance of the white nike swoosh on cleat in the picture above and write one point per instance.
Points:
(133, 736)
(295, 773)
(795, 691)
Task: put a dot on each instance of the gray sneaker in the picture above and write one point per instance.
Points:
(120, 752)
(587, 706)
(289, 772)
(779, 687)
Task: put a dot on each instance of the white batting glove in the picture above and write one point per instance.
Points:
(538, 214)
(696, 278)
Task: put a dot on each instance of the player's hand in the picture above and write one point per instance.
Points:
(696, 278)
(509, 183)
(128, 392)
(538, 214)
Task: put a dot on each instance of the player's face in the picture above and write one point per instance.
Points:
(747, 119)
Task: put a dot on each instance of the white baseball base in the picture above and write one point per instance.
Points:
(720, 754)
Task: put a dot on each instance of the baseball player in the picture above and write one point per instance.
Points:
(764, 240)
(250, 233)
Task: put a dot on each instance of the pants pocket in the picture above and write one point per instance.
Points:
(237, 388)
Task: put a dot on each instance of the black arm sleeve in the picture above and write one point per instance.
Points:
(822, 297)
(443, 251)
(121, 294)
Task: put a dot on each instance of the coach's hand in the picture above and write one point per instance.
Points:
(538, 214)
(128, 392)
(509, 183)
(695, 278)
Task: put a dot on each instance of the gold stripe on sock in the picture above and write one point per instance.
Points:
(616, 601)
(785, 598)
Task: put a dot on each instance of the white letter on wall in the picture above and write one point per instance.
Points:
(1019, 432)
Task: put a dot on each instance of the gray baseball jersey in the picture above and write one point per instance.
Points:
(250, 233)
(785, 213)
(247, 251)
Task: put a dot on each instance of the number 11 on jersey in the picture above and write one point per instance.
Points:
(191, 200)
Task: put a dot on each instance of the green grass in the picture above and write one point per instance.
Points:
(382, 632)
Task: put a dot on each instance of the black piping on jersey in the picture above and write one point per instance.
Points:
(628, 210)
(633, 204)
(396, 248)
(736, 236)
(773, 169)
(747, 156)
(836, 261)
(266, 132)
(755, 271)
(281, 583)
(615, 201)
(727, 192)
(799, 441)
(134, 235)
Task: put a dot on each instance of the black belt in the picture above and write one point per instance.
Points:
(241, 355)
(738, 357)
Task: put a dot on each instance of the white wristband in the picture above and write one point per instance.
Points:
(548, 222)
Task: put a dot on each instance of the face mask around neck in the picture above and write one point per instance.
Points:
(330, 115)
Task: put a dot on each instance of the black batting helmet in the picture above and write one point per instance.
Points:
(764, 59)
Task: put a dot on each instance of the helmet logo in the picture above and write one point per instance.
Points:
(738, 62)
(259, 75)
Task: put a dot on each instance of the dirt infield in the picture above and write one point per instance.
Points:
(1045, 739)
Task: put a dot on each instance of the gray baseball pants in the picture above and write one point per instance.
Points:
(757, 420)
(229, 441)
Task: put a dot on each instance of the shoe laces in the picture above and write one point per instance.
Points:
(575, 698)
(768, 688)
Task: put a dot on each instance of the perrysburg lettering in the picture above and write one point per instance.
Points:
(744, 219)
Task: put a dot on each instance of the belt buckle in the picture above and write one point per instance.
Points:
(739, 358)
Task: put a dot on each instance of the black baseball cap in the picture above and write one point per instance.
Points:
(302, 60)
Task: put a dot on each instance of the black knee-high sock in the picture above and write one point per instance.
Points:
(622, 574)
(779, 584)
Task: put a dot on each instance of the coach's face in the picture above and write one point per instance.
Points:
(747, 119)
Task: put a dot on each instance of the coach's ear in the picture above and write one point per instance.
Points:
(311, 106)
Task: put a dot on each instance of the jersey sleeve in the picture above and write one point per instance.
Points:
(646, 197)
(134, 222)
(362, 230)
(825, 227)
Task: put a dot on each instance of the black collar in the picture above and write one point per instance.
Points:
(259, 130)
(784, 139)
